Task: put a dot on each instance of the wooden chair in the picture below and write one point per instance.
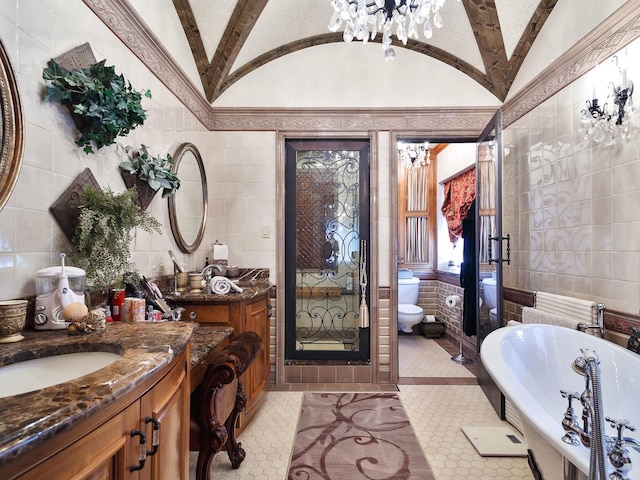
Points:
(217, 401)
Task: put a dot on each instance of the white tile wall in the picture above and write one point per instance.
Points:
(572, 206)
(240, 166)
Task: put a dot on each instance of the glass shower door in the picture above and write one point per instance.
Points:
(326, 234)
(489, 243)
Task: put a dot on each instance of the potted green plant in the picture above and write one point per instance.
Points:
(149, 174)
(102, 238)
(103, 104)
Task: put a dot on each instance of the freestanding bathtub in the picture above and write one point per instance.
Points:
(532, 363)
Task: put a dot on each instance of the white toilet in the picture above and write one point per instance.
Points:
(409, 314)
(490, 297)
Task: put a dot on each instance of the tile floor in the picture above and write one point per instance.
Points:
(437, 410)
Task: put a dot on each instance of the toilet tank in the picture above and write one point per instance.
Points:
(408, 289)
(405, 273)
(490, 292)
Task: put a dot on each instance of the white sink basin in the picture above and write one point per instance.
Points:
(30, 375)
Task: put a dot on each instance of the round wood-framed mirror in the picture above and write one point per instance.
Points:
(11, 128)
(188, 206)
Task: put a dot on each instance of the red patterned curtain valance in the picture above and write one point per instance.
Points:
(459, 192)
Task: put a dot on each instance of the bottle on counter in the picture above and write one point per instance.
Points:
(108, 317)
(206, 263)
(117, 299)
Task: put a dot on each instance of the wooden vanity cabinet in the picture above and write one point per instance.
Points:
(167, 405)
(256, 378)
(242, 315)
(102, 454)
(109, 450)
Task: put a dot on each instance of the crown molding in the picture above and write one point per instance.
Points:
(452, 121)
(125, 22)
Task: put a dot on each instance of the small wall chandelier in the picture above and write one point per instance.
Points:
(368, 18)
(414, 155)
(598, 121)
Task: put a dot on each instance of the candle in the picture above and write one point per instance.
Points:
(594, 78)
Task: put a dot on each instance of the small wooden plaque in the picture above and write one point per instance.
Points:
(65, 209)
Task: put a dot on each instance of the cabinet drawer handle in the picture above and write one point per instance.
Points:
(192, 315)
(143, 451)
(155, 436)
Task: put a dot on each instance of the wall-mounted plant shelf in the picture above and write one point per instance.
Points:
(102, 103)
(145, 192)
(79, 57)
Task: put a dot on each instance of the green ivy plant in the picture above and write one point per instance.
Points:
(102, 239)
(103, 104)
(156, 171)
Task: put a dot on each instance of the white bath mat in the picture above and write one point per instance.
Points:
(496, 441)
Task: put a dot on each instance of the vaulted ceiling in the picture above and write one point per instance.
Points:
(484, 39)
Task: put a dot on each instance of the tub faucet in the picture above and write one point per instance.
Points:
(592, 434)
(619, 455)
(583, 327)
(570, 421)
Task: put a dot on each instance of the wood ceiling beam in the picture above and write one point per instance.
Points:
(540, 15)
(483, 17)
(214, 72)
(190, 27)
(500, 70)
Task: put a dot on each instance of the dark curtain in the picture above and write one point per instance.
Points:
(468, 274)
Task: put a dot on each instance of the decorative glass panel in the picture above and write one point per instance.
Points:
(326, 227)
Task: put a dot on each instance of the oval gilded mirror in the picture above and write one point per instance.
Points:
(11, 128)
(189, 204)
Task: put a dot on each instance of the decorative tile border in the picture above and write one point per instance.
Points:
(520, 297)
(461, 122)
(613, 320)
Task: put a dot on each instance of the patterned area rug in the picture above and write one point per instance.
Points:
(350, 436)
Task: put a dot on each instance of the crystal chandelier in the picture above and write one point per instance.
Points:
(414, 155)
(402, 17)
(598, 121)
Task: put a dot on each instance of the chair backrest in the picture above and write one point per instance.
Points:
(219, 393)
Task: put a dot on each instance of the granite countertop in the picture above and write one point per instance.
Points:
(28, 419)
(205, 339)
(250, 289)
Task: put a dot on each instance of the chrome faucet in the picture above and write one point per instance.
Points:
(591, 433)
(583, 327)
(619, 455)
(206, 272)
